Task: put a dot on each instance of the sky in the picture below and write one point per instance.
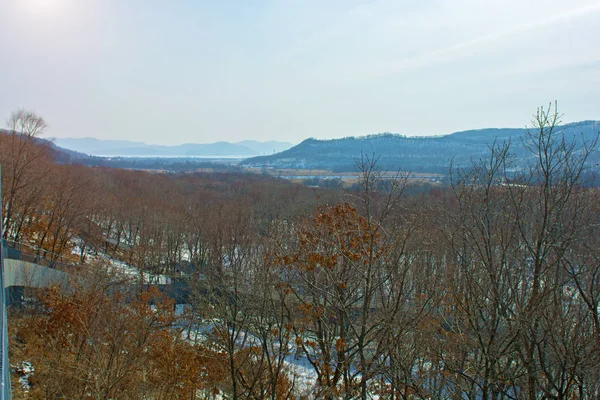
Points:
(192, 71)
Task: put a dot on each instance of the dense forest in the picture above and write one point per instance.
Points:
(488, 288)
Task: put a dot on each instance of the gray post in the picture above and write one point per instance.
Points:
(5, 366)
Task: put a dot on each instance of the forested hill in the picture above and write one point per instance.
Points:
(417, 154)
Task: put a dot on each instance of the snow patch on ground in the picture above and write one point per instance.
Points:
(25, 369)
(300, 371)
(116, 265)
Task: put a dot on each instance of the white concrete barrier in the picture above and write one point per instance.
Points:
(23, 273)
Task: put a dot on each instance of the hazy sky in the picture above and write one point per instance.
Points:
(178, 71)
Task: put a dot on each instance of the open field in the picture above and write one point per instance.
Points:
(347, 178)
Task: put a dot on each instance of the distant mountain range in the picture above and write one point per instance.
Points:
(115, 148)
(416, 154)
(394, 151)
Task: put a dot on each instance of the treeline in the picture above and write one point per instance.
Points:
(488, 289)
(150, 220)
(416, 154)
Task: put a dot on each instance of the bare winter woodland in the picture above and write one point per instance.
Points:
(486, 289)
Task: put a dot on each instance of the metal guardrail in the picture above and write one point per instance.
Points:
(5, 393)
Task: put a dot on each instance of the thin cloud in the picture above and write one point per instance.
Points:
(467, 47)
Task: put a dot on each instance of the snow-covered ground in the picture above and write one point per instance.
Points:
(300, 371)
(116, 265)
(25, 369)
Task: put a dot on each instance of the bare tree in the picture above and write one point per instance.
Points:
(522, 331)
(20, 156)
